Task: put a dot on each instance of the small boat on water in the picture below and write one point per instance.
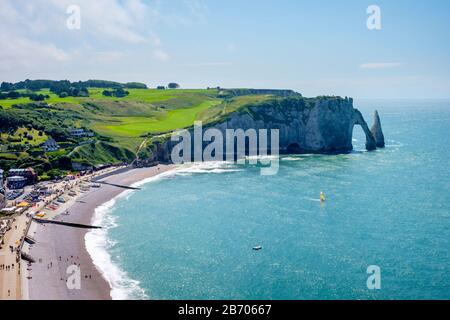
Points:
(257, 248)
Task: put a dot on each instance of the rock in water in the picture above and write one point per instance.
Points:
(377, 131)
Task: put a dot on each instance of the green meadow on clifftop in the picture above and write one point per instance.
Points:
(119, 125)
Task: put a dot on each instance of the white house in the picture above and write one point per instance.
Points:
(50, 145)
(80, 133)
(77, 132)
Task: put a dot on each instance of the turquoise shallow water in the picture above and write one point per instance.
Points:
(190, 235)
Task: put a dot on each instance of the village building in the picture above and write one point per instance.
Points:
(50, 145)
(30, 176)
(76, 166)
(79, 133)
(2, 198)
(16, 182)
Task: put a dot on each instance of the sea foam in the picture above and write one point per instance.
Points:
(98, 245)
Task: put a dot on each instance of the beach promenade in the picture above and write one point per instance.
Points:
(13, 269)
(10, 261)
(60, 247)
(56, 248)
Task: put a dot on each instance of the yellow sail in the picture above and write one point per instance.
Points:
(322, 197)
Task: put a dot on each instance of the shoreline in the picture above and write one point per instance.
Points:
(58, 247)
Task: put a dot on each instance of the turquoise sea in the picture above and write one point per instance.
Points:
(190, 234)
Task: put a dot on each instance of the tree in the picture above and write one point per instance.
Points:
(120, 93)
(37, 97)
(160, 87)
(58, 134)
(84, 92)
(173, 85)
(65, 163)
(135, 85)
(74, 92)
(13, 95)
(6, 86)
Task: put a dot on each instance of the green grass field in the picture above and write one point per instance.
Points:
(168, 121)
(141, 112)
(120, 124)
(95, 94)
(20, 137)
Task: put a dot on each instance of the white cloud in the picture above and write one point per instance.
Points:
(380, 65)
(35, 33)
(111, 18)
(137, 8)
(160, 55)
(114, 19)
(109, 56)
(210, 64)
(155, 40)
(20, 52)
(197, 9)
(231, 47)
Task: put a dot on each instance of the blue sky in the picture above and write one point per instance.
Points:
(314, 47)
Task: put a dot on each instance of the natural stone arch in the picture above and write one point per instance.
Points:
(358, 119)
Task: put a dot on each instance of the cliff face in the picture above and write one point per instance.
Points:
(320, 125)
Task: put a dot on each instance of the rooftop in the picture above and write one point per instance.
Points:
(16, 178)
(20, 170)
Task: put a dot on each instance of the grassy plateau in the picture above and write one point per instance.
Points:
(119, 125)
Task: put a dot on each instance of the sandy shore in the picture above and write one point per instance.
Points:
(59, 247)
